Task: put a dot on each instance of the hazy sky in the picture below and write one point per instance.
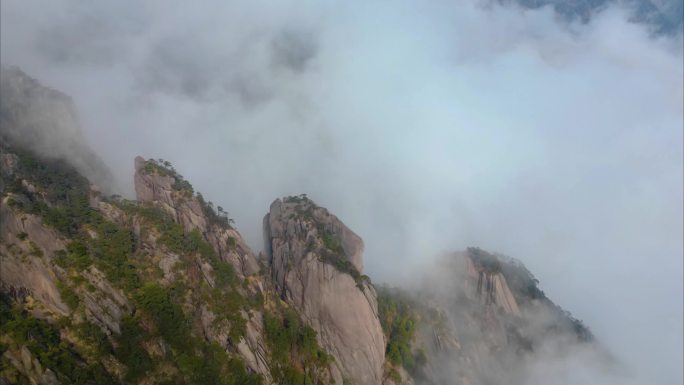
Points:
(425, 126)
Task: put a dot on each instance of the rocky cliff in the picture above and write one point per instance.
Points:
(316, 264)
(166, 189)
(484, 319)
(97, 289)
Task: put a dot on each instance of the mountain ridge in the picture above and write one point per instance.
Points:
(163, 289)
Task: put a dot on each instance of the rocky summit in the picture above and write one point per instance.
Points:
(316, 266)
(163, 289)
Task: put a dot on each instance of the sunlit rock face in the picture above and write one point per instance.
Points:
(316, 265)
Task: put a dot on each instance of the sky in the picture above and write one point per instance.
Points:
(425, 126)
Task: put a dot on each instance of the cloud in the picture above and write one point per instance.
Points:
(426, 126)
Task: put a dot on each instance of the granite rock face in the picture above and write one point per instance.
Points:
(316, 264)
(105, 306)
(188, 210)
(29, 366)
(164, 188)
(26, 247)
(76, 258)
(490, 288)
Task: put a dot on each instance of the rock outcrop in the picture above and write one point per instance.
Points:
(316, 264)
(105, 305)
(253, 349)
(162, 187)
(29, 366)
(26, 247)
(156, 185)
(99, 289)
(490, 288)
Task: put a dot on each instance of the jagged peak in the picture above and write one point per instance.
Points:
(510, 275)
(157, 181)
(333, 238)
(316, 264)
(159, 184)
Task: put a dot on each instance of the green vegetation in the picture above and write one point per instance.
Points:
(211, 365)
(62, 202)
(64, 205)
(112, 250)
(331, 243)
(226, 277)
(162, 339)
(164, 168)
(227, 306)
(130, 351)
(93, 336)
(61, 198)
(225, 300)
(332, 251)
(35, 250)
(198, 361)
(394, 375)
(64, 188)
(341, 263)
(171, 233)
(68, 295)
(231, 243)
(45, 344)
(219, 218)
(399, 323)
(485, 261)
(333, 254)
(167, 315)
(292, 342)
(76, 255)
(298, 199)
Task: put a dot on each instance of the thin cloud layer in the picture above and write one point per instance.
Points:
(424, 126)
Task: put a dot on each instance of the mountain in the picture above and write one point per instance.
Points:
(44, 120)
(662, 16)
(163, 289)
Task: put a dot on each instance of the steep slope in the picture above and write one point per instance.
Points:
(479, 318)
(165, 288)
(317, 266)
(44, 120)
(145, 292)
(166, 189)
(97, 289)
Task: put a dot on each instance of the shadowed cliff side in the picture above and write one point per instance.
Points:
(45, 121)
